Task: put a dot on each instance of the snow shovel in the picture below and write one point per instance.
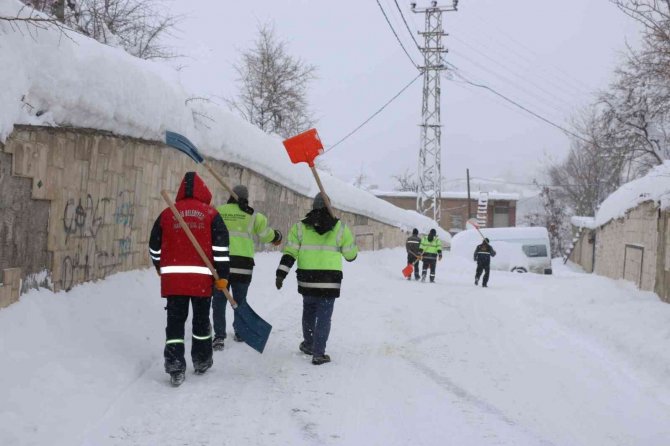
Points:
(409, 269)
(304, 148)
(474, 224)
(250, 326)
(181, 143)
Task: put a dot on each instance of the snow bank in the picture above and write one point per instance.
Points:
(655, 186)
(583, 222)
(50, 79)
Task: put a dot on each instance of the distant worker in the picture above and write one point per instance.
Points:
(185, 279)
(243, 223)
(412, 247)
(318, 243)
(483, 254)
(430, 251)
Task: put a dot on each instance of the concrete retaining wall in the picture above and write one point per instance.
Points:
(80, 204)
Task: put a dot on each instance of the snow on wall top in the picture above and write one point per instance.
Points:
(583, 222)
(655, 186)
(452, 194)
(49, 79)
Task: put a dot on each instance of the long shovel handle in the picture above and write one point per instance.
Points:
(219, 179)
(323, 192)
(195, 243)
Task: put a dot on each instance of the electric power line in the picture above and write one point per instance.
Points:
(396, 35)
(515, 103)
(407, 25)
(374, 114)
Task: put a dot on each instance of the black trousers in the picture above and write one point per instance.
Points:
(411, 258)
(486, 268)
(429, 263)
(201, 347)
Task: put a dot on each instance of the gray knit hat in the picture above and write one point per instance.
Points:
(242, 192)
(319, 202)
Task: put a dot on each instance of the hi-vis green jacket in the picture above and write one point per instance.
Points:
(430, 249)
(319, 258)
(242, 227)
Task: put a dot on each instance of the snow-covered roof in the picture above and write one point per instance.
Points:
(452, 194)
(655, 186)
(583, 222)
(48, 79)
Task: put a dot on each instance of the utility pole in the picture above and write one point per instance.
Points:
(428, 200)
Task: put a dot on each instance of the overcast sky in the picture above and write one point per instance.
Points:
(551, 56)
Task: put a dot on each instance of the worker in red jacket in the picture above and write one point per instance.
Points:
(184, 276)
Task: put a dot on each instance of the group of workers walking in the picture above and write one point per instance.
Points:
(428, 249)
(226, 234)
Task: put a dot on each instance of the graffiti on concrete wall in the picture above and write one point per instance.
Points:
(98, 237)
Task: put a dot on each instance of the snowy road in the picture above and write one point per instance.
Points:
(570, 359)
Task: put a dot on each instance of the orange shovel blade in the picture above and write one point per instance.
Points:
(407, 271)
(303, 148)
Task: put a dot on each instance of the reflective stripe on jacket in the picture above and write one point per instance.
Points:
(430, 249)
(319, 258)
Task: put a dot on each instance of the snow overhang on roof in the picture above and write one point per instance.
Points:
(655, 186)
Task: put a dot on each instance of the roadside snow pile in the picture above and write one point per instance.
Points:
(655, 186)
(48, 78)
(583, 222)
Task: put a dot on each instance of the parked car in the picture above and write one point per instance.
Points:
(518, 249)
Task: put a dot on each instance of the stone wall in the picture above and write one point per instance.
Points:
(88, 201)
(627, 247)
(582, 253)
(662, 287)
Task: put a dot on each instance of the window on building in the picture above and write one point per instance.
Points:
(501, 215)
(457, 221)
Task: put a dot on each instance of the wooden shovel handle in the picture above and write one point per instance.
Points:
(323, 192)
(196, 245)
(219, 179)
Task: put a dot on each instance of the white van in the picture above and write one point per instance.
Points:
(518, 249)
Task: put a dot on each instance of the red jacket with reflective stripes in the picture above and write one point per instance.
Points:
(183, 273)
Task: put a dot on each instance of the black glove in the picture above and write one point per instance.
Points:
(279, 282)
(278, 238)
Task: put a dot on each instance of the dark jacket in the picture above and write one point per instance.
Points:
(183, 273)
(483, 253)
(412, 244)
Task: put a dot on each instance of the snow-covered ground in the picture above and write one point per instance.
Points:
(570, 359)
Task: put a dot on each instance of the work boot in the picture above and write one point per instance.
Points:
(484, 285)
(318, 360)
(176, 378)
(237, 338)
(423, 277)
(202, 367)
(303, 348)
(217, 343)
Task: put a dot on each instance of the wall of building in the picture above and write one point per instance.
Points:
(82, 203)
(455, 211)
(628, 247)
(582, 253)
(662, 287)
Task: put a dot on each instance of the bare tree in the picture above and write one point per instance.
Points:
(138, 26)
(273, 86)
(555, 217)
(594, 167)
(406, 182)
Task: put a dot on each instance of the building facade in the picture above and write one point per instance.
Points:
(499, 212)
